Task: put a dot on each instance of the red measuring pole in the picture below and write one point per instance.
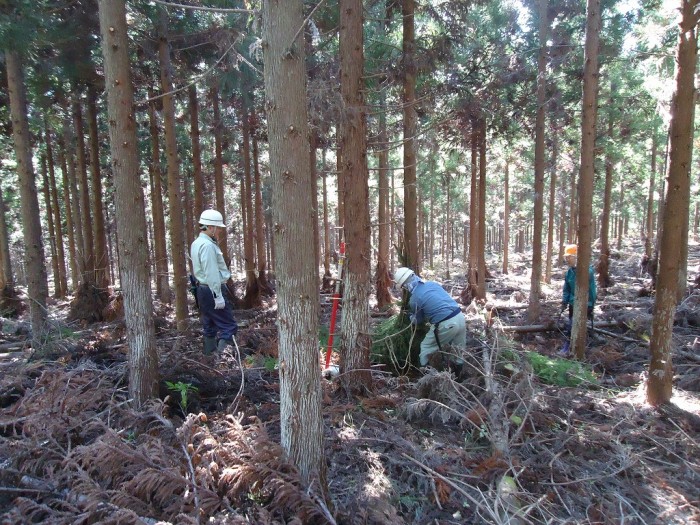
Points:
(336, 301)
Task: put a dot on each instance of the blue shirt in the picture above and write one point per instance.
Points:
(429, 301)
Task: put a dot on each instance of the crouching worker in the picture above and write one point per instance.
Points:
(430, 302)
(568, 294)
(211, 273)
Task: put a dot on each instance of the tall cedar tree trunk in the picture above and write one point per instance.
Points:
(6, 277)
(219, 169)
(659, 385)
(481, 249)
(101, 259)
(197, 179)
(297, 294)
(70, 223)
(90, 300)
(356, 339)
(382, 277)
(534, 307)
(49, 222)
(259, 212)
(473, 266)
(69, 141)
(649, 230)
(573, 212)
(187, 204)
(410, 118)
(62, 288)
(621, 214)
(585, 190)
(160, 251)
(177, 237)
(604, 260)
(552, 205)
(84, 195)
(506, 216)
(313, 150)
(37, 285)
(252, 288)
(448, 221)
(10, 303)
(326, 225)
(129, 204)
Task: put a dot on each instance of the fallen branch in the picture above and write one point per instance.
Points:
(19, 345)
(550, 327)
(622, 337)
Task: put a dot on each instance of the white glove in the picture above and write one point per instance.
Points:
(219, 302)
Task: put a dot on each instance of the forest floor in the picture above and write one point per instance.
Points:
(520, 437)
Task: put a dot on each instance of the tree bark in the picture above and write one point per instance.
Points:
(675, 215)
(37, 285)
(649, 230)
(6, 275)
(356, 339)
(259, 213)
(197, 178)
(410, 118)
(473, 266)
(101, 259)
(160, 251)
(84, 195)
(604, 261)
(298, 308)
(71, 228)
(533, 312)
(585, 193)
(129, 204)
(382, 277)
(252, 297)
(481, 250)
(177, 237)
(506, 217)
(69, 141)
(326, 225)
(62, 288)
(50, 223)
(552, 206)
(219, 168)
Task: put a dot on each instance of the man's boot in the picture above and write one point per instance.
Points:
(223, 343)
(209, 345)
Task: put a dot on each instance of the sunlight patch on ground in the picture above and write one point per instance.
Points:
(682, 399)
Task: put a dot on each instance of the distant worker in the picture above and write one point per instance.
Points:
(571, 255)
(430, 302)
(211, 274)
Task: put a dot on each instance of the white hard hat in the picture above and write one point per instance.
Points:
(211, 218)
(402, 275)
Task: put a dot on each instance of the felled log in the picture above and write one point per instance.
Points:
(550, 327)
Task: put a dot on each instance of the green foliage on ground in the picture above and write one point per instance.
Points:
(396, 344)
(561, 372)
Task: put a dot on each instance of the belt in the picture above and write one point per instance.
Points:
(456, 311)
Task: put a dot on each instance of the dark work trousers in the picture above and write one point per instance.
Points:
(216, 321)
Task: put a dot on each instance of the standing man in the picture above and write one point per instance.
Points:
(430, 302)
(211, 273)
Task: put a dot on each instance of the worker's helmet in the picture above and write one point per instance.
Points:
(211, 218)
(402, 275)
(571, 249)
